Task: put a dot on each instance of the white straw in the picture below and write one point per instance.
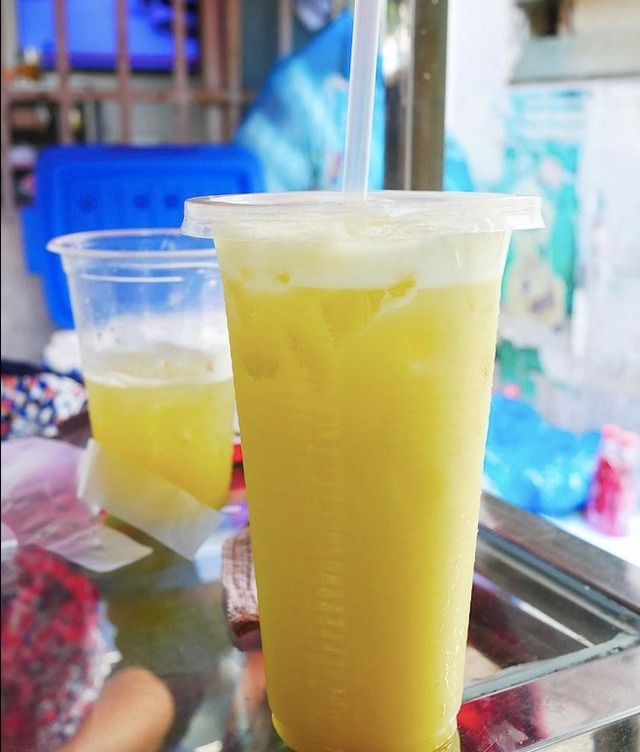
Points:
(362, 88)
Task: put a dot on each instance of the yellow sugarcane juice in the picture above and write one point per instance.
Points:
(362, 340)
(177, 409)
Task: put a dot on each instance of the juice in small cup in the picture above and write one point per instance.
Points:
(149, 311)
(362, 338)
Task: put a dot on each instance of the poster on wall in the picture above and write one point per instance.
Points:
(570, 318)
(542, 157)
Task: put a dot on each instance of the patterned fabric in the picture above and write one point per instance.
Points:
(34, 404)
(52, 651)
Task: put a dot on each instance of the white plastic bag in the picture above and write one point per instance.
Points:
(40, 507)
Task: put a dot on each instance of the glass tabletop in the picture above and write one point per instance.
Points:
(553, 648)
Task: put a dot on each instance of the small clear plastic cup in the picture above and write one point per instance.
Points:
(149, 312)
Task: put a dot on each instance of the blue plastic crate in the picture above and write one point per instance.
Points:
(95, 187)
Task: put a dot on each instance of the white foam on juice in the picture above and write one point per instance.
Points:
(322, 239)
(432, 261)
(161, 365)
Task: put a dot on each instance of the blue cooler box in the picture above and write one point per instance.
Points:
(96, 187)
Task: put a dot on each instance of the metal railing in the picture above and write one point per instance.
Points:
(216, 86)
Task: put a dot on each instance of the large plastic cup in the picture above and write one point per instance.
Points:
(362, 338)
(149, 312)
